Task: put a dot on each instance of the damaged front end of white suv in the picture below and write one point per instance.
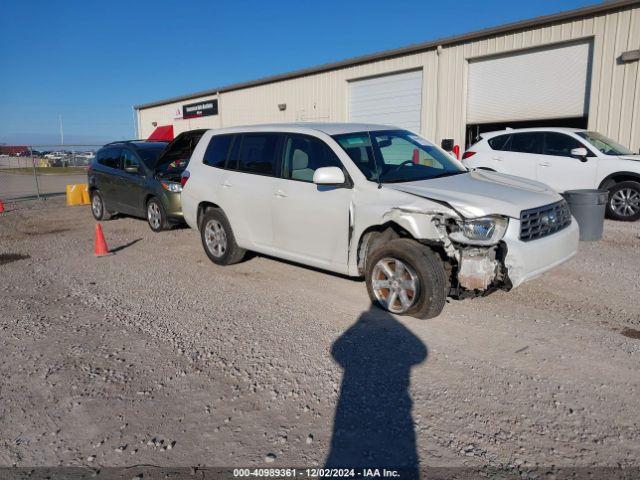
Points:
(486, 253)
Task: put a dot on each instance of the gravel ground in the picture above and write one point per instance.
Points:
(153, 355)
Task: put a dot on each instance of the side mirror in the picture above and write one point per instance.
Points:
(131, 169)
(580, 153)
(328, 176)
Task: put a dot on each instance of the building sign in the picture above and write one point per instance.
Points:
(201, 109)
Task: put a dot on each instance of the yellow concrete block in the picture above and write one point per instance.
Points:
(85, 194)
(77, 194)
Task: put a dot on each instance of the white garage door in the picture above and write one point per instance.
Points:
(539, 84)
(391, 100)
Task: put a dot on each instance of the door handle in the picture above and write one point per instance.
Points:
(499, 159)
(226, 184)
(544, 164)
(280, 194)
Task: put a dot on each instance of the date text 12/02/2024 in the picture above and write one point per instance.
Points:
(317, 472)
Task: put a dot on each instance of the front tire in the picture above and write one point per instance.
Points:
(156, 216)
(406, 278)
(98, 208)
(218, 240)
(624, 201)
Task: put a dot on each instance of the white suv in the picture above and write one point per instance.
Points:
(565, 159)
(373, 201)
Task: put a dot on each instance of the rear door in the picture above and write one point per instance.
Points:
(520, 155)
(562, 171)
(247, 186)
(106, 175)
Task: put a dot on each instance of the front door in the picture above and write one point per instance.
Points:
(310, 222)
(130, 186)
(562, 171)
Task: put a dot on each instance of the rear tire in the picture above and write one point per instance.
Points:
(98, 208)
(406, 278)
(156, 216)
(624, 201)
(218, 240)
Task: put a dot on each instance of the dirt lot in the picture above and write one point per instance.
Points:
(154, 355)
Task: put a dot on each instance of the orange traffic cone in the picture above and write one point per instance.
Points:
(1, 206)
(100, 246)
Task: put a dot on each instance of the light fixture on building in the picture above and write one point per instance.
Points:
(282, 107)
(155, 124)
(630, 56)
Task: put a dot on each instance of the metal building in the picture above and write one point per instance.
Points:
(576, 68)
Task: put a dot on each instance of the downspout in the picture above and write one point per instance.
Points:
(219, 96)
(438, 53)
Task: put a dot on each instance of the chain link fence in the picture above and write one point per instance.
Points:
(37, 171)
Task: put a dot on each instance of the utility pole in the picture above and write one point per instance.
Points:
(61, 130)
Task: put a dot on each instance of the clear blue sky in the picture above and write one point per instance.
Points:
(91, 61)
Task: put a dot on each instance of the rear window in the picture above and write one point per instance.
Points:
(501, 142)
(256, 153)
(218, 151)
(109, 157)
(527, 142)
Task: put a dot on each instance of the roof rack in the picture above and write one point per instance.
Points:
(134, 140)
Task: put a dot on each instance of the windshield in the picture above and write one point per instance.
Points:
(604, 144)
(391, 156)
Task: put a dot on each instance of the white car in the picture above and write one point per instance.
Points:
(373, 201)
(565, 159)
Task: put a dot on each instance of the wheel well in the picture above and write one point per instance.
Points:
(618, 177)
(377, 234)
(486, 168)
(202, 207)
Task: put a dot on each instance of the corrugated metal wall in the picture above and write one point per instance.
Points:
(614, 103)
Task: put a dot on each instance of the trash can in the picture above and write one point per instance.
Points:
(588, 207)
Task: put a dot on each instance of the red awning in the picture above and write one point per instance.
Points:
(162, 133)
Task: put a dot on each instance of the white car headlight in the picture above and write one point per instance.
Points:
(480, 231)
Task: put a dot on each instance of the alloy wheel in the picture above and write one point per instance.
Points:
(625, 202)
(216, 238)
(395, 284)
(153, 215)
(96, 206)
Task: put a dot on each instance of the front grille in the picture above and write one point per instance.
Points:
(543, 221)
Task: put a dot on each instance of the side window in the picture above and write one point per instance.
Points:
(303, 155)
(257, 153)
(559, 144)
(109, 157)
(501, 142)
(527, 142)
(218, 151)
(129, 159)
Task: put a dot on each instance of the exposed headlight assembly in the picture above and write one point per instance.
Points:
(172, 187)
(480, 231)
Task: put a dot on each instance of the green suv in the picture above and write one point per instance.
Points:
(142, 179)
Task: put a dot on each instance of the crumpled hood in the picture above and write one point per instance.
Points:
(482, 192)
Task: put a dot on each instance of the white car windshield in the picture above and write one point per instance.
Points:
(391, 156)
(604, 144)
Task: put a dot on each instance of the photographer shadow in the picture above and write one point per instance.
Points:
(373, 426)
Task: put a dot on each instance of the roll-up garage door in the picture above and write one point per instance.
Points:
(391, 100)
(539, 84)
